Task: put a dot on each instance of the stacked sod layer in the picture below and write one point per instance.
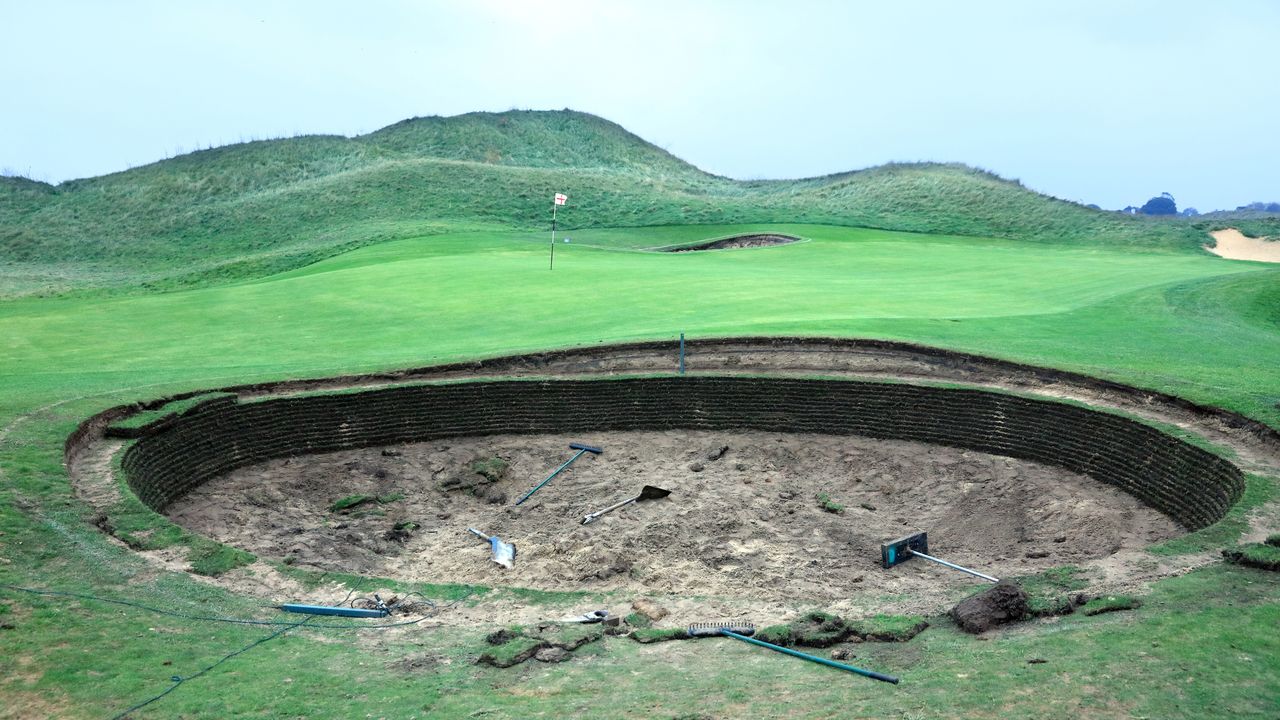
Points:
(1190, 485)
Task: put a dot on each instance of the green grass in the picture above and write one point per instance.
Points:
(1110, 603)
(1258, 491)
(826, 503)
(1265, 556)
(177, 407)
(350, 501)
(449, 266)
(212, 559)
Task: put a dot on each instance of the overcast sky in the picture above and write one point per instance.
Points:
(1102, 102)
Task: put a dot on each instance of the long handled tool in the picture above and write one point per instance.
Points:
(333, 610)
(503, 553)
(576, 446)
(648, 492)
(740, 631)
(904, 548)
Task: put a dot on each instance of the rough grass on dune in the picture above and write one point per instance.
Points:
(256, 208)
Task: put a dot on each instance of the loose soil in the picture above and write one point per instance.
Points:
(740, 241)
(743, 520)
(1235, 245)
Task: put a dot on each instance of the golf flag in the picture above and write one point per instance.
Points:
(561, 198)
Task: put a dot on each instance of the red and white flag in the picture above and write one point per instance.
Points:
(561, 198)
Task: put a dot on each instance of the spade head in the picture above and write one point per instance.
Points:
(503, 553)
(649, 492)
(899, 551)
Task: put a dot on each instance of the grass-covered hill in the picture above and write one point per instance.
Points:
(254, 208)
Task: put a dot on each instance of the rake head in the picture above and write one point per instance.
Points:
(903, 549)
(588, 448)
(713, 629)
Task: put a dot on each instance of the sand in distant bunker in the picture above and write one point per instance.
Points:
(1233, 245)
(743, 517)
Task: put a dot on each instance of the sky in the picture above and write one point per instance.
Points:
(1099, 102)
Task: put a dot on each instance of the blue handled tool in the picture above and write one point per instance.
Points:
(576, 446)
(330, 610)
(740, 631)
(896, 552)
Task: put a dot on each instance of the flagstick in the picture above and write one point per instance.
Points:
(553, 235)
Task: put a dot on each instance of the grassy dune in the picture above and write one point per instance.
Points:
(252, 209)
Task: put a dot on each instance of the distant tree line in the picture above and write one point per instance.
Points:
(1164, 204)
(1271, 207)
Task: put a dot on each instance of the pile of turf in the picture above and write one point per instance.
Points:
(1263, 555)
(514, 645)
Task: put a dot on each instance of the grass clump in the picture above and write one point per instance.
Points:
(351, 501)
(1264, 556)
(1054, 591)
(826, 503)
(889, 628)
(819, 629)
(653, 635)
(492, 469)
(1110, 603)
(638, 620)
(213, 559)
(513, 645)
(510, 646)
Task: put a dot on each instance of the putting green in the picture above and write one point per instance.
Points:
(486, 293)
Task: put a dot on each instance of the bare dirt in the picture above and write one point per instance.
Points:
(1235, 245)
(744, 517)
(740, 241)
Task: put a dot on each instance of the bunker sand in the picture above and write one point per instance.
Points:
(1235, 245)
(745, 521)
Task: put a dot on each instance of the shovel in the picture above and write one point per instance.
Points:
(648, 492)
(503, 553)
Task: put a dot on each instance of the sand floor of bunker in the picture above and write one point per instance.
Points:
(743, 523)
(1235, 245)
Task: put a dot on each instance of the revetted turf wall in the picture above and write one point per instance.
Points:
(1192, 486)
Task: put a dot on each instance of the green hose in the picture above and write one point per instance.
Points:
(813, 658)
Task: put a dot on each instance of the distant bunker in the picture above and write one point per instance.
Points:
(737, 241)
(781, 487)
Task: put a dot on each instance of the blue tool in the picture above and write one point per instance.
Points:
(904, 548)
(330, 610)
(576, 446)
(740, 631)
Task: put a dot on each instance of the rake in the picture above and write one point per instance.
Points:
(576, 446)
(741, 631)
(896, 552)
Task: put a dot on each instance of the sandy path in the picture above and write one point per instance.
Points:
(1234, 245)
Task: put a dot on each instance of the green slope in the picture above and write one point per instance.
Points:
(256, 208)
